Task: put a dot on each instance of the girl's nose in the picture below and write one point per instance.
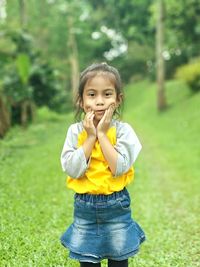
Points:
(99, 101)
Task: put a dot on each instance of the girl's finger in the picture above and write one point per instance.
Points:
(91, 115)
(88, 115)
(110, 113)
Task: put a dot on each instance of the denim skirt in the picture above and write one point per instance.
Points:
(102, 228)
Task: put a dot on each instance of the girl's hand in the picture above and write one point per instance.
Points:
(104, 123)
(89, 125)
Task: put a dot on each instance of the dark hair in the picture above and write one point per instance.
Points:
(91, 72)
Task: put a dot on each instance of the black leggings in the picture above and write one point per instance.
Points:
(111, 263)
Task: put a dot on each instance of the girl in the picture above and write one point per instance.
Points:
(98, 154)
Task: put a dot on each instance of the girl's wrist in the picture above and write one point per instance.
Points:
(100, 134)
(92, 137)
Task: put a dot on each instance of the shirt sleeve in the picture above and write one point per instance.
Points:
(73, 160)
(128, 147)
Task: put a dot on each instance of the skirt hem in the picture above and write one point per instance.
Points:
(94, 258)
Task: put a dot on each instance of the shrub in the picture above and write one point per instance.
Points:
(190, 74)
(46, 114)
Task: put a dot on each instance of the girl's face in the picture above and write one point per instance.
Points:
(98, 94)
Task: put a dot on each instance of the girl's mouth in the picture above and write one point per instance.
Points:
(99, 111)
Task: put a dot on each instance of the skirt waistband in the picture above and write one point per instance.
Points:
(101, 198)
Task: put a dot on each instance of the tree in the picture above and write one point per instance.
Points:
(183, 27)
(22, 12)
(182, 32)
(73, 56)
(4, 117)
(161, 99)
(125, 19)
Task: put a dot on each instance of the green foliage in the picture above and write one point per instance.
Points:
(13, 87)
(23, 41)
(134, 20)
(16, 84)
(23, 66)
(44, 80)
(125, 18)
(31, 77)
(133, 65)
(183, 26)
(133, 26)
(190, 74)
(181, 31)
(46, 114)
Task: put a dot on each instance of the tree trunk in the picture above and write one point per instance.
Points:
(161, 98)
(28, 110)
(22, 11)
(4, 118)
(24, 113)
(73, 57)
(32, 110)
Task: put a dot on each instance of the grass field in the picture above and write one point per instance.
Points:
(36, 207)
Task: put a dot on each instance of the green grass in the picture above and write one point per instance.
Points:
(166, 190)
(36, 207)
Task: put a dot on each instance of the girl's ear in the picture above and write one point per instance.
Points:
(119, 99)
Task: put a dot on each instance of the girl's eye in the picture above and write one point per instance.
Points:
(108, 94)
(91, 94)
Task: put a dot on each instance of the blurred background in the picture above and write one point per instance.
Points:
(44, 45)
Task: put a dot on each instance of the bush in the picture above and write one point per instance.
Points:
(45, 114)
(190, 74)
